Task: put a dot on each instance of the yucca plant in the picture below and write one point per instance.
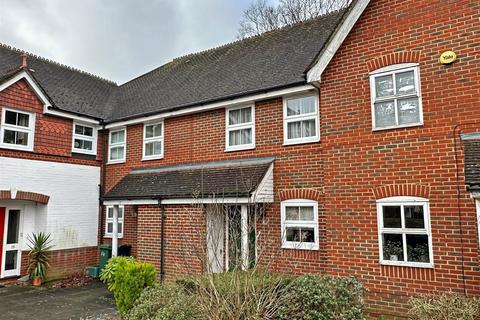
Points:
(39, 260)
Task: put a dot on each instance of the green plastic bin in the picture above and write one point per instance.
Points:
(105, 254)
(93, 271)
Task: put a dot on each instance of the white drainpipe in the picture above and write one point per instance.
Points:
(115, 231)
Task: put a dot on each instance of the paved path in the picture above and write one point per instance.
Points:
(91, 302)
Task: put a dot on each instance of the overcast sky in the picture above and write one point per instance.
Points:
(118, 39)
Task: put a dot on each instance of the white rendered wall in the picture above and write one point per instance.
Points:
(71, 215)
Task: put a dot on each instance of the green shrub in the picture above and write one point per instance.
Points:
(448, 306)
(108, 273)
(323, 297)
(127, 278)
(166, 302)
(252, 294)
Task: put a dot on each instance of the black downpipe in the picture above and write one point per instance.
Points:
(162, 242)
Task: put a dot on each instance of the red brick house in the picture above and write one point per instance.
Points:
(340, 146)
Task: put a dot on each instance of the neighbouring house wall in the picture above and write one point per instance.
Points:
(70, 180)
(72, 211)
(361, 165)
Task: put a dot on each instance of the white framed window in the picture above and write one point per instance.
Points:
(301, 120)
(395, 97)
(117, 147)
(109, 222)
(84, 139)
(17, 129)
(300, 224)
(153, 141)
(404, 233)
(240, 128)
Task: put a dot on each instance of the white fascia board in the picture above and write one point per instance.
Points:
(264, 192)
(340, 34)
(130, 202)
(216, 105)
(206, 200)
(59, 113)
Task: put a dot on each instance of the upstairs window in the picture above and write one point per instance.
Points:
(240, 128)
(300, 224)
(153, 141)
(17, 129)
(117, 145)
(84, 139)
(301, 119)
(396, 98)
(404, 232)
(109, 222)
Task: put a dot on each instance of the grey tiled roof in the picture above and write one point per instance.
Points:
(472, 164)
(273, 60)
(234, 178)
(67, 88)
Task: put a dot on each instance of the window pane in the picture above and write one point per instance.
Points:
(118, 136)
(110, 213)
(408, 111)
(301, 129)
(392, 217)
(384, 86)
(120, 227)
(83, 144)
(149, 149)
(240, 137)
(22, 138)
(417, 248)
(405, 82)
(110, 227)
(117, 153)
(120, 213)
(393, 247)
(11, 117)
(414, 217)
(13, 226)
(301, 105)
(385, 114)
(11, 260)
(9, 136)
(306, 214)
(239, 116)
(154, 130)
(300, 234)
(292, 213)
(79, 129)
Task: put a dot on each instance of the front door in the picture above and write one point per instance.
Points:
(215, 239)
(11, 251)
(2, 225)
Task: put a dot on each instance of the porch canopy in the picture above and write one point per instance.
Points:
(231, 181)
(472, 163)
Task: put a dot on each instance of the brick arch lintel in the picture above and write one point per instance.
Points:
(24, 195)
(396, 190)
(310, 194)
(393, 58)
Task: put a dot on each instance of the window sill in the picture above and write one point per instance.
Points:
(80, 151)
(398, 127)
(152, 158)
(110, 236)
(295, 142)
(116, 162)
(301, 246)
(407, 264)
(14, 147)
(239, 148)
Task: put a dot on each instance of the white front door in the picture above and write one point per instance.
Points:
(478, 218)
(11, 255)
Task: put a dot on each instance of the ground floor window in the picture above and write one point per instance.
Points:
(109, 222)
(404, 232)
(300, 224)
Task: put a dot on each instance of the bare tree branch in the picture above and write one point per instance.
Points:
(261, 17)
